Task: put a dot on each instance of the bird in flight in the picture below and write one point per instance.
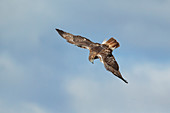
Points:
(97, 51)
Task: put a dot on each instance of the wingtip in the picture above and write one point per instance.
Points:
(118, 74)
(57, 29)
(124, 80)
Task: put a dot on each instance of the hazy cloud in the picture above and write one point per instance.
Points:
(40, 72)
(21, 107)
(148, 91)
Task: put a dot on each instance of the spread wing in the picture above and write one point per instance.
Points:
(110, 64)
(76, 39)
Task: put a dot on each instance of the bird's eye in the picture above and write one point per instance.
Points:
(109, 55)
(95, 57)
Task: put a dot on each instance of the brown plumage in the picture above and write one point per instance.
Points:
(102, 51)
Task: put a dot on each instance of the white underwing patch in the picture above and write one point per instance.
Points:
(100, 57)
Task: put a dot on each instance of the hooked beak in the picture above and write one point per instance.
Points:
(92, 61)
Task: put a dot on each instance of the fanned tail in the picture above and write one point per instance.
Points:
(112, 43)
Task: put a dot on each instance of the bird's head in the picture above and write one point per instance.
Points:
(92, 57)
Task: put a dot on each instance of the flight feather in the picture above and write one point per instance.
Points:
(102, 51)
(76, 39)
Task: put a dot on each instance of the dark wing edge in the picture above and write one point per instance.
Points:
(76, 39)
(111, 65)
(115, 72)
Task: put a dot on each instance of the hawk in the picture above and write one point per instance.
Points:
(97, 51)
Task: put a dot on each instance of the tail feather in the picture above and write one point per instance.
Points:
(112, 43)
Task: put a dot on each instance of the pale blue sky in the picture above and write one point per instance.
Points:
(41, 73)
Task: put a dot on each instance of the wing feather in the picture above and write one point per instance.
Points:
(110, 64)
(76, 39)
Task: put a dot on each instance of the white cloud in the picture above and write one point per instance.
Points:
(24, 107)
(10, 70)
(157, 77)
(148, 91)
(23, 23)
(141, 24)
